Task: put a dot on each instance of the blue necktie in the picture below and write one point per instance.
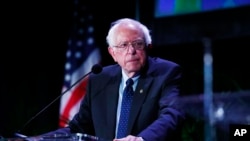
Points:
(125, 108)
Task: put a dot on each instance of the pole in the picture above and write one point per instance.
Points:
(209, 130)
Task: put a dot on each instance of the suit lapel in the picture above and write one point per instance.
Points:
(112, 92)
(139, 97)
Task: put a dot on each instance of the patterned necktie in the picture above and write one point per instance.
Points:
(125, 108)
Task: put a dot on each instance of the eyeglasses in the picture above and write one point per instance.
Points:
(138, 45)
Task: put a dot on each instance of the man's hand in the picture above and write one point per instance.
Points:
(130, 138)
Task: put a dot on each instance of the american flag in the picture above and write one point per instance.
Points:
(81, 55)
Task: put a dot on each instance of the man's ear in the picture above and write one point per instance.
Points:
(112, 53)
(149, 46)
(148, 49)
(110, 50)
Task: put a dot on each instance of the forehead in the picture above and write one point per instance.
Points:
(128, 32)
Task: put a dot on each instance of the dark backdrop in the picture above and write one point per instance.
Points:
(33, 48)
(34, 41)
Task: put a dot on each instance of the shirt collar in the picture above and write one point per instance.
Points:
(125, 77)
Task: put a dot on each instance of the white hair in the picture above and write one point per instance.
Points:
(115, 24)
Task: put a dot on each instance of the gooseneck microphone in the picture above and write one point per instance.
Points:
(97, 68)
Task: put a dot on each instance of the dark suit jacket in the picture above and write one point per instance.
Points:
(155, 113)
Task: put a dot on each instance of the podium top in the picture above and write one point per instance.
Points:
(59, 137)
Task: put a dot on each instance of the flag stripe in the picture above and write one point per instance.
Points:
(76, 95)
(81, 55)
(70, 105)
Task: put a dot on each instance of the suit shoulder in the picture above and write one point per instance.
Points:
(111, 68)
(108, 71)
(160, 62)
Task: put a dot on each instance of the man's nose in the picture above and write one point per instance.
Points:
(131, 48)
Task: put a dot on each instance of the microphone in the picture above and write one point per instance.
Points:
(97, 68)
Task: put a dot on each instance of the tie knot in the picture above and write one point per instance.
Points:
(129, 82)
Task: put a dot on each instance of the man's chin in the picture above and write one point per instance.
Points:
(134, 68)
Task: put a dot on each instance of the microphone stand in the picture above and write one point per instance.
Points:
(18, 134)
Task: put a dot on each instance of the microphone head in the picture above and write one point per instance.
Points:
(97, 68)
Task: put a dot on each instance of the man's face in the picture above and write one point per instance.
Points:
(129, 49)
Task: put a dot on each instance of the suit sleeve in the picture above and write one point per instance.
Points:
(169, 121)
